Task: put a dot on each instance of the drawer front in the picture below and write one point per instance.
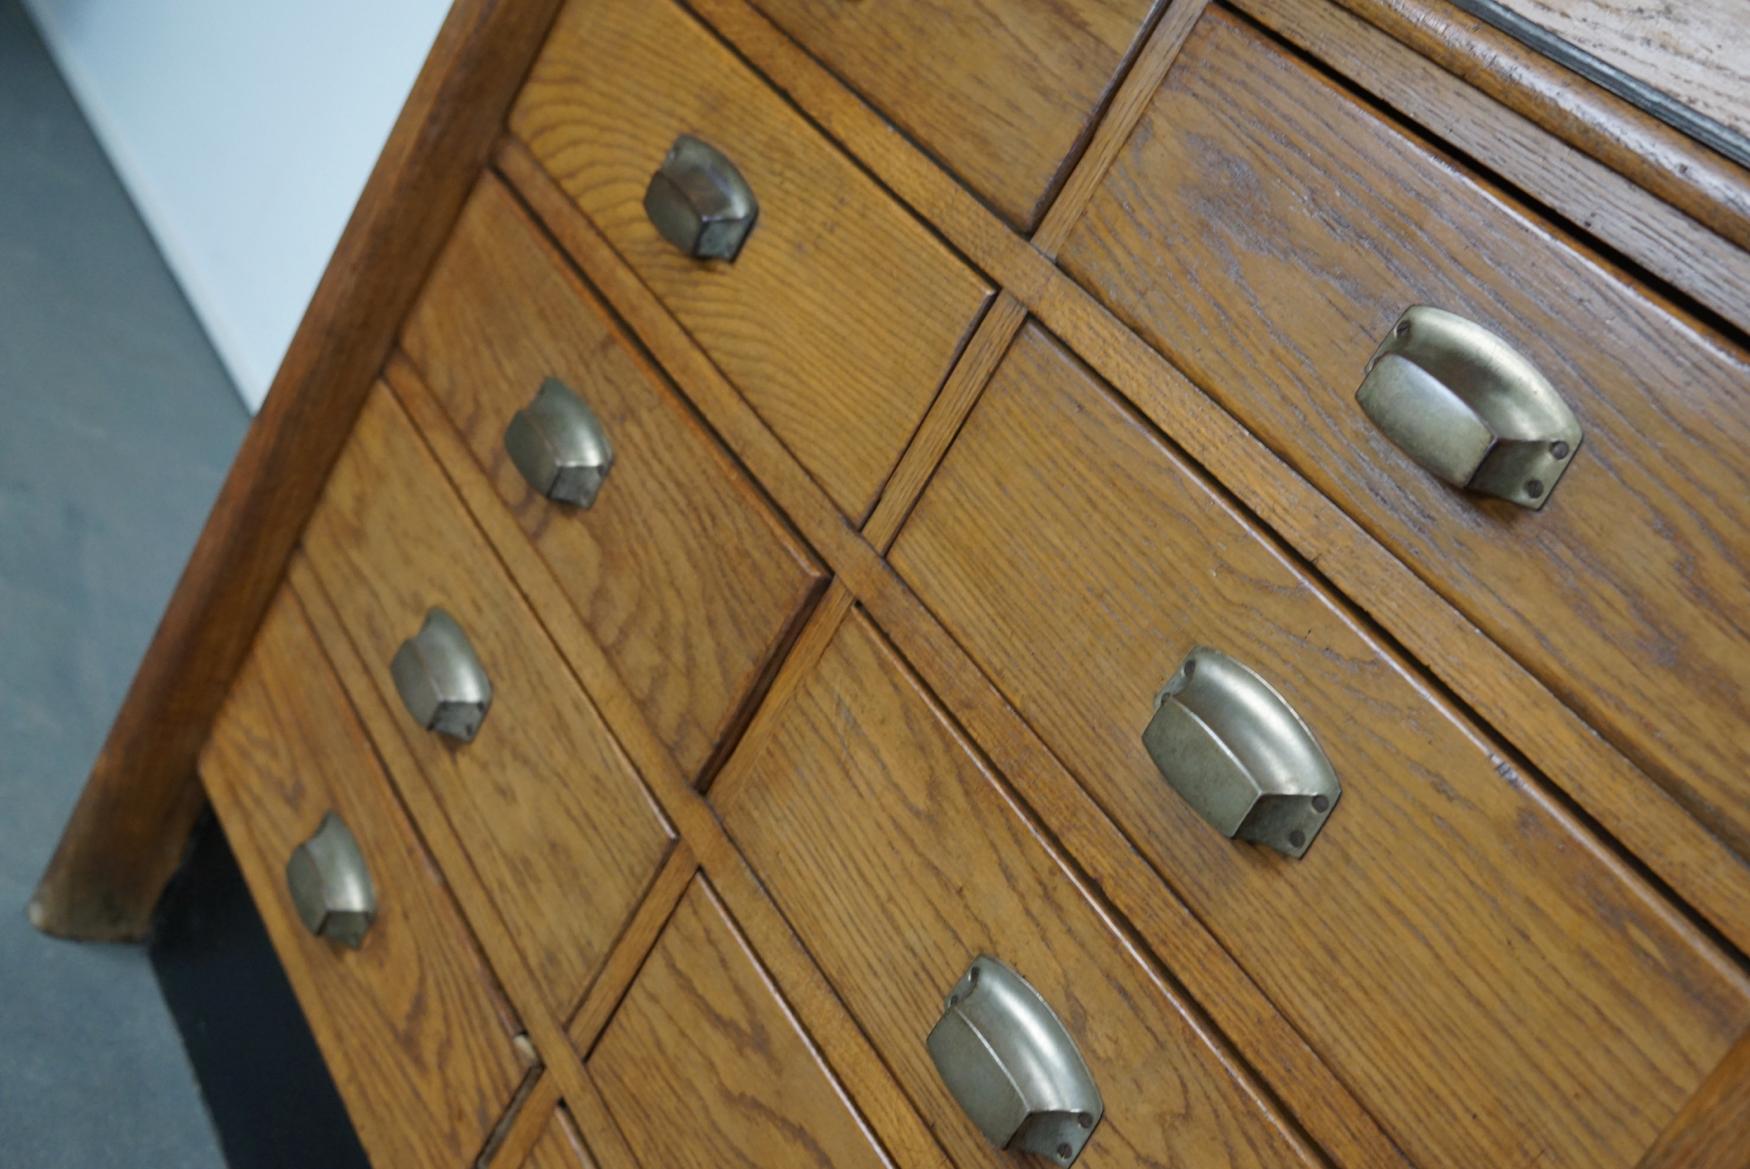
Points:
(1004, 94)
(686, 579)
(553, 816)
(899, 858)
(408, 1023)
(1627, 593)
(1487, 978)
(839, 318)
(703, 1066)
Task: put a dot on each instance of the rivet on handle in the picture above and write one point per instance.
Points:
(1465, 406)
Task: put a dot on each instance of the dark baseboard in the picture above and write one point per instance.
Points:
(266, 1087)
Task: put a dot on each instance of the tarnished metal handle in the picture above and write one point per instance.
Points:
(1459, 401)
(559, 446)
(330, 885)
(699, 201)
(1237, 753)
(1009, 1061)
(441, 680)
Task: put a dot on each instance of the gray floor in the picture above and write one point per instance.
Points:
(116, 425)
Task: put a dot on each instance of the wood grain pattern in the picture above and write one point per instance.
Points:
(407, 1023)
(1651, 232)
(518, 1131)
(842, 314)
(1713, 1130)
(554, 816)
(559, 1147)
(680, 568)
(1697, 52)
(1079, 559)
(1665, 161)
(898, 858)
(1629, 594)
(1003, 94)
(127, 833)
(703, 1066)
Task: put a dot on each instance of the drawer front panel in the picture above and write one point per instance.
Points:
(1486, 978)
(841, 315)
(686, 579)
(1004, 94)
(703, 1066)
(553, 816)
(1265, 230)
(408, 1023)
(899, 858)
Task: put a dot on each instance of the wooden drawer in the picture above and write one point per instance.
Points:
(703, 1066)
(1004, 94)
(1270, 272)
(842, 313)
(899, 858)
(409, 1025)
(554, 818)
(1490, 981)
(687, 580)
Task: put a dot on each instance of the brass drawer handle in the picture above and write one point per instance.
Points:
(1238, 754)
(331, 887)
(440, 679)
(559, 446)
(699, 201)
(1459, 401)
(1009, 1061)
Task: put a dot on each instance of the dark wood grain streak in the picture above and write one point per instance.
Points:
(127, 833)
(1629, 593)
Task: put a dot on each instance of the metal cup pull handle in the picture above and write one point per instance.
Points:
(699, 202)
(331, 886)
(559, 445)
(1465, 406)
(441, 680)
(1012, 1066)
(1237, 753)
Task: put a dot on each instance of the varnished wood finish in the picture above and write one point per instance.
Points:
(899, 857)
(1004, 94)
(127, 833)
(1079, 559)
(407, 1023)
(554, 817)
(1645, 228)
(519, 1130)
(559, 1146)
(679, 568)
(1628, 593)
(703, 1066)
(1697, 52)
(841, 315)
(1713, 1130)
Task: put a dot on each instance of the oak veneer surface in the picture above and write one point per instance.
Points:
(1003, 94)
(703, 1065)
(685, 577)
(554, 818)
(1488, 981)
(899, 857)
(558, 1147)
(407, 1023)
(841, 315)
(1264, 230)
(1697, 52)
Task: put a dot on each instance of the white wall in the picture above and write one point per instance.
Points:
(244, 131)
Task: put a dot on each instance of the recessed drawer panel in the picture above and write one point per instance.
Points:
(552, 814)
(1489, 980)
(900, 860)
(687, 580)
(394, 991)
(1266, 230)
(840, 315)
(1004, 94)
(703, 1066)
